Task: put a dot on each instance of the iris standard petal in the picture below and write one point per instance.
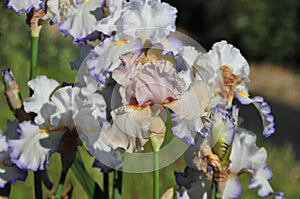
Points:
(105, 57)
(147, 19)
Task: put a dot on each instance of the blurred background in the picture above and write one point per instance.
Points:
(266, 31)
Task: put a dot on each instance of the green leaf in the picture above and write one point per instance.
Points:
(87, 182)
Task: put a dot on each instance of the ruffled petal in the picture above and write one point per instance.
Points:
(130, 128)
(147, 19)
(42, 88)
(245, 154)
(24, 5)
(33, 149)
(83, 22)
(222, 54)
(158, 83)
(193, 103)
(67, 102)
(109, 24)
(171, 44)
(233, 187)
(263, 108)
(105, 57)
(260, 179)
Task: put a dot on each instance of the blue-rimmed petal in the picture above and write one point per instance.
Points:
(260, 179)
(83, 22)
(105, 57)
(24, 5)
(33, 149)
(263, 108)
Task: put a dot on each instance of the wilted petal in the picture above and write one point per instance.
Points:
(33, 149)
(148, 19)
(42, 88)
(83, 22)
(105, 57)
(24, 5)
(233, 187)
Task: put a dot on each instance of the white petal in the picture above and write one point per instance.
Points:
(42, 88)
(83, 22)
(194, 102)
(260, 179)
(148, 19)
(245, 154)
(233, 187)
(158, 83)
(222, 54)
(67, 101)
(130, 128)
(105, 57)
(33, 149)
(89, 129)
(182, 196)
(108, 24)
(24, 5)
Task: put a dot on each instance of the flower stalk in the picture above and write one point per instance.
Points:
(35, 24)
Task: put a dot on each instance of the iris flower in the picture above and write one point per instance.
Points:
(227, 72)
(146, 89)
(56, 109)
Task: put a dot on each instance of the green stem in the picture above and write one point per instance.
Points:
(155, 175)
(61, 184)
(117, 186)
(33, 71)
(34, 56)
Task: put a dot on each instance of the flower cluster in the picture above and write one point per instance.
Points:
(138, 71)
